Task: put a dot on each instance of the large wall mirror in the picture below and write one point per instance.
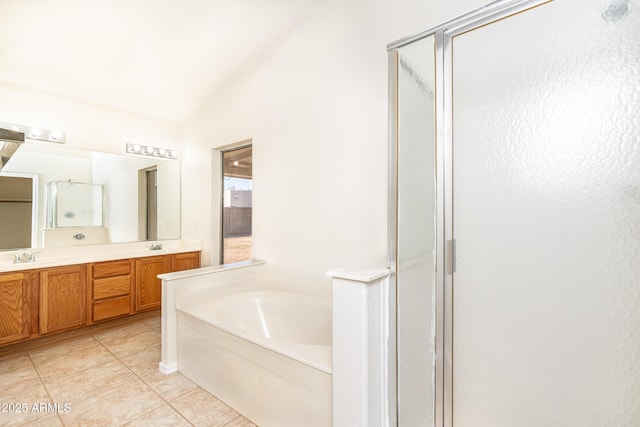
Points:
(55, 196)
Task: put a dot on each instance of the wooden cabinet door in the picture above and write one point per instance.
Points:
(185, 261)
(63, 298)
(14, 307)
(148, 286)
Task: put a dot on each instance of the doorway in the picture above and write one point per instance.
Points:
(148, 203)
(152, 204)
(17, 211)
(237, 204)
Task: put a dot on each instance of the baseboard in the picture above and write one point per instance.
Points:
(168, 369)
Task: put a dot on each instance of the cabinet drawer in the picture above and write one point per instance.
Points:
(111, 308)
(111, 287)
(108, 269)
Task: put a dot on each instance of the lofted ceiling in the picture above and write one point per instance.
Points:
(162, 58)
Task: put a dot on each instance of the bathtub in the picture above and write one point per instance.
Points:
(264, 352)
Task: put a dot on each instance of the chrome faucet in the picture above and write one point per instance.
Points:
(24, 257)
(156, 247)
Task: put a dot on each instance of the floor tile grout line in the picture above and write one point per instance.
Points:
(75, 373)
(101, 340)
(141, 378)
(98, 341)
(146, 379)
(51, 340)
(107, 346)
(116, 385)
(45, 388)
(166, 402)
(28, 353)
(63, 343)
(154, 409)
(13, 355)
(215, 397)
(234, 418)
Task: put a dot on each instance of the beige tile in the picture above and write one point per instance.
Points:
(101, 390)
(123, 331)
(155, 323)
(89, 382)
(51, 420)
(133, 343)
(65, 347)
(160, 417)
(16, 369)
(115, 406)
(200, 408)
(20, 400)
(70, 358)
(16, 361)
(18, 391)
(170, 387)
(240, 421)
(143, 362)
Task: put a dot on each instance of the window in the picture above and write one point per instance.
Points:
(237, 186)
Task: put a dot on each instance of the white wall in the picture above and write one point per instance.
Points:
(168, 208)
(87, 126)
(315, 106)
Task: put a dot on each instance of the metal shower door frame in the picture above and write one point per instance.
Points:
(445, 238)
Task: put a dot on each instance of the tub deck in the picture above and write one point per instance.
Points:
(261, 349)
(267, 387)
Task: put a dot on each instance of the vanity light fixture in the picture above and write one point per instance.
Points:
(36, 133)
(55, 136)
(147, 150)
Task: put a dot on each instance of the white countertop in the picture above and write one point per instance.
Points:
(365, 271)
(54, 257)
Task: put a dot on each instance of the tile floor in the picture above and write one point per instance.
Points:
(110, 378)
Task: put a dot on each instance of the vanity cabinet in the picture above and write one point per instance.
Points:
(15, 304)
(37, 302)
(111, 289)
(63, 298)
(185, 261)
(148, 286)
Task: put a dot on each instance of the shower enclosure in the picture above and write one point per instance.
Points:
(515, 216)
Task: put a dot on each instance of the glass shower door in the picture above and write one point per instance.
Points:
(415, 231)
(546, 218)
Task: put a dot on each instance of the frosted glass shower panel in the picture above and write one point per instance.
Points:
(415, 265)
(74, 204)
(546, 217)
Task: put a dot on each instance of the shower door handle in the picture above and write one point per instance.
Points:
(451, 256)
